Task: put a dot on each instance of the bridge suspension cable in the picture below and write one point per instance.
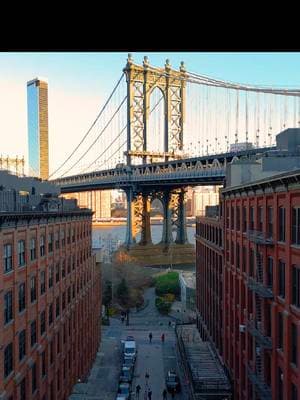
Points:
(91, 127)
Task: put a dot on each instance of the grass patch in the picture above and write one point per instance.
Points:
(167, 283)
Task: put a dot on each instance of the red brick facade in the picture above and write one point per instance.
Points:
(209, 268)
(60, 346)
(260, 282)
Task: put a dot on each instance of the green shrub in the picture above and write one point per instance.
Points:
(167, 283)
(162, 305)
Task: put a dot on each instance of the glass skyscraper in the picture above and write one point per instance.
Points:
(37, 112)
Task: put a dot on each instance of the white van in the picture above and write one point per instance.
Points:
(130, 349)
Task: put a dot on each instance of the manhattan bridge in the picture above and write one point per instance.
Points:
(164, 129)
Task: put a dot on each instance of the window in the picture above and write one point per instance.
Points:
(43, 322)
(69, 264)
(73, 262)
(21, 253)
(57, 240)
(33, 333)
(7, 258)
(22, 297)
(22, 344)
(50, 314)
(251, 263)
(32, 249)
(57, 272)
(73, 235)
(58, 380)
(296, 285)
(33, 378)
(63, 242)
(281, 278)
(260, 219)
(270, 273)
(8, 360)
(238, 218)
(237, 257)
(43, 363)
(294, 352)
(280, 331)
(57, 307)
(244, 259)
(52, 352)
(23, 390)
(281, 221)
(8, 307)
(42, 245)
(33, 289)
(63, 300)
(232, 217)
(296, 225)
(251, 222)
(294, 392)
(68, 235)
(244, 217)
(43, 282)
(50, 277)
(270, 222)
(69, 294)
(50, 242)
(63, 269)
(58, 342)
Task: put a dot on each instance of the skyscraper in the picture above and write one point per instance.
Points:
(37, 111)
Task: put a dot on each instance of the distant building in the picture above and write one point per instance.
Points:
(37, 120)
(204, 196)
(99, 201)
(13, 164)
(50, 291)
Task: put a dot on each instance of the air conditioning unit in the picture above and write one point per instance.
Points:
(242, 328)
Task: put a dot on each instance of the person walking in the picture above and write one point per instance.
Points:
(169, 324)
(147, 377)
(137, 391)
(163, 338)
(165, 394)
(150, 337)
(149, 394)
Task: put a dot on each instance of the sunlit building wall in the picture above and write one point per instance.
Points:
(98, 200)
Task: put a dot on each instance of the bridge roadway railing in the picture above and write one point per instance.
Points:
(141, 175)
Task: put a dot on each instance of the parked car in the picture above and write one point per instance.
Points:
(126, 374)
(128, 362)
(130, 349)
(130, 339)
(124, 390)
(173, 382)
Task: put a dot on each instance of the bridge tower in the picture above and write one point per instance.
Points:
(141, 81)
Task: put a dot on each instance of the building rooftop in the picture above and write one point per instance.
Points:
(37, 79)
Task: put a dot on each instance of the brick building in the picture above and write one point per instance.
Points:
(48, 282)
(260, 276)
(209, 270)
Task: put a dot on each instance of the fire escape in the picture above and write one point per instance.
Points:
(255, 326)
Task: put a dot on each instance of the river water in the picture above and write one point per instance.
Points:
(117, 233)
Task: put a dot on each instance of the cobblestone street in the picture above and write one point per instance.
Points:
(155, 358)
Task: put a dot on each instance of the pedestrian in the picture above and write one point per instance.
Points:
(163, 338)
(173, 393)
(137, 391)
(165, 394)
(149, 394)
(169, 324)
(122, 319)
(150, 337)
(147, 377)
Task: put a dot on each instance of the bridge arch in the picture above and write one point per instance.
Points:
(155, 135)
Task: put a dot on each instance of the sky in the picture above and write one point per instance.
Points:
(79, 84)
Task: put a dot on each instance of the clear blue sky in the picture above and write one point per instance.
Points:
(87, 79)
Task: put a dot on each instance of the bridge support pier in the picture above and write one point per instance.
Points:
(146, 226)
(181, 237)
(167, 237)
(130, 238)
